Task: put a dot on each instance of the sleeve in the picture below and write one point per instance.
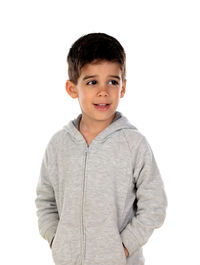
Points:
(47, 211)
(150, 197)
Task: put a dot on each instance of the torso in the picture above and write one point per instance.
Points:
(88, 137)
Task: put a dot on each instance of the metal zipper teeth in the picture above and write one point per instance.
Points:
(83, 248)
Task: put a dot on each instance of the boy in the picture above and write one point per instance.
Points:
(100, 194)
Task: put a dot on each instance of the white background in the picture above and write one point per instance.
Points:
(162, 43)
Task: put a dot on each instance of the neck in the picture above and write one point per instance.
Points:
(94, 127)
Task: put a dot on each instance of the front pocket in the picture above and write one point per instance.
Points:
(61, 246)
(104, 245)
(122, 247)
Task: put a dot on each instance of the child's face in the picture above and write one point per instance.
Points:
(98, 83)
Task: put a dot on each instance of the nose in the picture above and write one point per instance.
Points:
(103, 91)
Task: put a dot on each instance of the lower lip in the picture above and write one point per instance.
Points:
(102, 108)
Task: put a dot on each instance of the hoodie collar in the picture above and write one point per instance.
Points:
(118, 123)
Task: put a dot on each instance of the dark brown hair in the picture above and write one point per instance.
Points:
(94, 47)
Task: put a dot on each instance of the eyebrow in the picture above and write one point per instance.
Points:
(92, 76)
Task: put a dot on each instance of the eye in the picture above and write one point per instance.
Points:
(92, 82)
(114, 82)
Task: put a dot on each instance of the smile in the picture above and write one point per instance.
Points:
(102, 107)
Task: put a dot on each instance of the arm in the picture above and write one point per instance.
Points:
(45, 201)
(151, 200)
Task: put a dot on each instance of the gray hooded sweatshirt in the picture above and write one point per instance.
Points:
(91, 199)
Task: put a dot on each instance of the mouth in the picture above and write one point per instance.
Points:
(102, 106)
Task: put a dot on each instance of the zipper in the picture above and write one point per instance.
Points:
(82, 221)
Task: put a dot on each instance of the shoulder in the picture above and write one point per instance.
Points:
(133, 137)
(137, 142)
(56, 139)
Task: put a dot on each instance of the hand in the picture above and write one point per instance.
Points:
(51, 242)
(125, 250)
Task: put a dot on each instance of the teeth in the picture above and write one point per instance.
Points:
(101, 104)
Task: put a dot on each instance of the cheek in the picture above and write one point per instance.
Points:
(116, 95)
(85, 97)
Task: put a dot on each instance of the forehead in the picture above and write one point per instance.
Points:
(101, 67)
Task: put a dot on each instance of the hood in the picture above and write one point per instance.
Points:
(118, 123)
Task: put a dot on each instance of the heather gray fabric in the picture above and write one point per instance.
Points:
(91, 199)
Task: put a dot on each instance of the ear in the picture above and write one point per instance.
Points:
(71, 89)
(123, 89)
